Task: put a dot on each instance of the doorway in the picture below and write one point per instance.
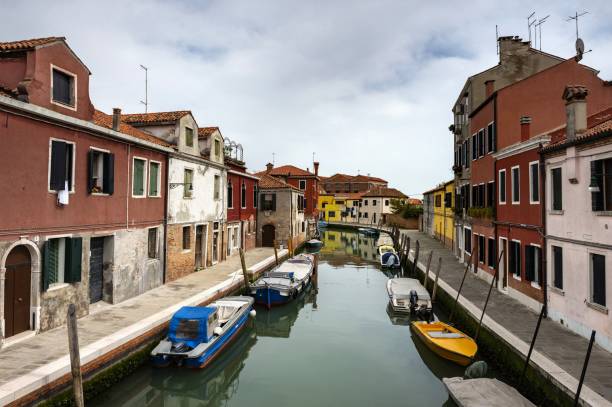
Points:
(268, 234)
(215, 247)
(17, 291)
(200, 247)
(96, 267)
(503, 263)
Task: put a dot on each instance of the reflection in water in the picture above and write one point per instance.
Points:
(277, 322)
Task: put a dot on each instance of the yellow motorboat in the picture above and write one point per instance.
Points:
(446, 341)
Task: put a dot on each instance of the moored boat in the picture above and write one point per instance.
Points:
(322, 224)
(388, 256)
(198, 334)
(369, 231)
(407, 295)
(285, 282)
(314, 244)
(446, 341)
(484, 392)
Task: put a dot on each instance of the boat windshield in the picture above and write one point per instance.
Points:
(188, 329)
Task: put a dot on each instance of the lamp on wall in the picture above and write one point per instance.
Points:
(173, 185)
(594, 186)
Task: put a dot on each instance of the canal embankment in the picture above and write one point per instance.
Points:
(507, 330)
(115, 339)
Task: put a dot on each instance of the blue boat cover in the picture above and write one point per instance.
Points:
(189, 325)
(387, 255)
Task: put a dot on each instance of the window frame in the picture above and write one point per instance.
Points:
(156, 255)
(188, 249)
(518, 277)
(537, 281)
(73, 177)
(102, 151)
(591, 299)
(159, 168)
(300, 184)
(187, 194)
(490, 136)
(518, 168)
(74, 88)
(552, 189)
(466, 240)
(145, 176)
(243, 192)
(500, 190)
(531, 182)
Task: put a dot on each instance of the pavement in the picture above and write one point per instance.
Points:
(559, 345)
(39, 359)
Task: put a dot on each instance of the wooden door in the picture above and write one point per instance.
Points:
(268, 234)
(96, 269)
(17, 291)
(198, 246)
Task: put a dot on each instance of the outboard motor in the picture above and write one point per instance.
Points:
(414, 298)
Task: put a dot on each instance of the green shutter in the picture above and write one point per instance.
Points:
(49, 263)
(137, 179)
(74, 252)
(153, 174)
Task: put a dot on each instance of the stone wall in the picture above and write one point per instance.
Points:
(181, 262)
(393, 219)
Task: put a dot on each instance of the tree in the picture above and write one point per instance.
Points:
(405, 209)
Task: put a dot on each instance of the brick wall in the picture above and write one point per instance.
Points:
(180, 262)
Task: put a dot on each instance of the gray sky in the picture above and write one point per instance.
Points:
(367, 85)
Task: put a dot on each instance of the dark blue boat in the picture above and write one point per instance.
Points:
(198, 334)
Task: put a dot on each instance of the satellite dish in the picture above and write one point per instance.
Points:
(579, 46)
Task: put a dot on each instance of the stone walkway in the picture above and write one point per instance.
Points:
(26, 358)
(555, 342)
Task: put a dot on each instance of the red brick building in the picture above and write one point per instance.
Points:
(83, 194)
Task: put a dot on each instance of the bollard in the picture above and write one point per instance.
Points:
(75, 358)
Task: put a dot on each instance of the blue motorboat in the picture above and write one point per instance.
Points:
(369, 232)
(198, 334)
(388, 256)
(322, 224)
(285, 282)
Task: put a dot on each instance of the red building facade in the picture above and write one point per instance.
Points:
(242, 202)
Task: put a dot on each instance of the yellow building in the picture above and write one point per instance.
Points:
(329, 210)
(443, 226)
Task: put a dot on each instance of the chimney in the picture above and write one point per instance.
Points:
(511, 47)
(316, 167)
(489, 87)
(525, 128)
(269, 167)
(575, 110)
(116, 118)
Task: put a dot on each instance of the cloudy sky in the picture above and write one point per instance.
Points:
(365, 85)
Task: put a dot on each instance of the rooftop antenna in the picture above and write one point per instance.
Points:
(579, 42)
(538, 26)
(273, 155)
(530, 23)
(313, 156)
(146, 101)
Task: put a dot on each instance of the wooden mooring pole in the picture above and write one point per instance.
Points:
(75, 357)
(245, 274)
(584, 367)
(275, 252)
(427, 269)
(484, 308)
(435, 286)
(535, 335)
(417, 248)
(467, 267)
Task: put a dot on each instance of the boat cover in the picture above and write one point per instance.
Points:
(193, 324)
(484, 393)
(390, 259)
(401, 287)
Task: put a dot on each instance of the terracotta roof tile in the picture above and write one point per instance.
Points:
(157, 117)
(23, 45)
(205, 132)
(385, 192)
(105, 120)
(290, 170)
(415, 201)
(353, 178)
(597, 123)
(267, 181)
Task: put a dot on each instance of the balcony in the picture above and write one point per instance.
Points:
(481, 213)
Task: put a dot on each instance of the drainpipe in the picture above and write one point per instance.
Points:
(495, 197)
(167, 183)
(543, 230)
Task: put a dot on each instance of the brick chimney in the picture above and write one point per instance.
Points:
(269, 167)
(489, 87)
(575, 110)
(316, 167)
(525, 128)
(116, 118)
(511, 47)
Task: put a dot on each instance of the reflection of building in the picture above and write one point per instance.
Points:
(277, 322)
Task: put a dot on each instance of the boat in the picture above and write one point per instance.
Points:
(369, 231)
(446, 341)
(285, 282)
(314, 244)
(407, 295)
(388, 256)
(198, 334)
(484, 392)
(322, 224)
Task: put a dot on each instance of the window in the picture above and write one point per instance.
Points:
(481, 143)
(186, 237)
(598, 279)
(153, 243)
(534, 182)
(217, 186)
(467, 239)
(254, 196)
(490, 138)
(187, 183)
(386, 202)
(502, 186)
(63, 87)
(556, 189)
(474, 147)
(601, 185)
(466, 149)
(490, 194)
(533, 255)
(61, 167)
(557, 266)
(514, 258)
(365, 202)
(516, 194)
(300, 203)
(481, 249)
(217, 148)
(100, 172)
(230, 195)
(323, 205)
(303, 226)
(365, 215)
(154, 179)
(243, 195)
(438, 201)
(268, 202)
(448, 199)
(491, 254)
(62, 261)
(188, 136)
(302, 184)
(139, 175)
(373, 202)
(332, 214)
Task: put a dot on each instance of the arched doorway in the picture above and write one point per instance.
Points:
(17, 291)
(268, 234)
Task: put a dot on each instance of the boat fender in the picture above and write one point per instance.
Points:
(218, 331)
(253, 313)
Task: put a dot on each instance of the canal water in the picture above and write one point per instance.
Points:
(337, 345)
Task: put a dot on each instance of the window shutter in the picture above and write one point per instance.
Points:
(74, 251)
(529, 264)
(597, 174)
(599, 279)
(49, 263)
(273, 202)
(263, 202)
(90, 171)
(58, 165)
(109, 174)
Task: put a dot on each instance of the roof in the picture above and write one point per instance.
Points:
(105, 120)
(598, 125)
(384, 192)
(24, 45)
(205, 132)
(158, 117)
(415, 201)
(438, 187)
(267, 181)
(353, 178)
(290, 171)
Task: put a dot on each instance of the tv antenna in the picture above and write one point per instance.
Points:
(579, 42)
(538, 27)
(273, 156)
(530, 23)
(146, 101)
(313, 156)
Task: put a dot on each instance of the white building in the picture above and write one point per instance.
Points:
(376, 205)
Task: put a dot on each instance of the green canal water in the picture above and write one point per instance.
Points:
(337, 345)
